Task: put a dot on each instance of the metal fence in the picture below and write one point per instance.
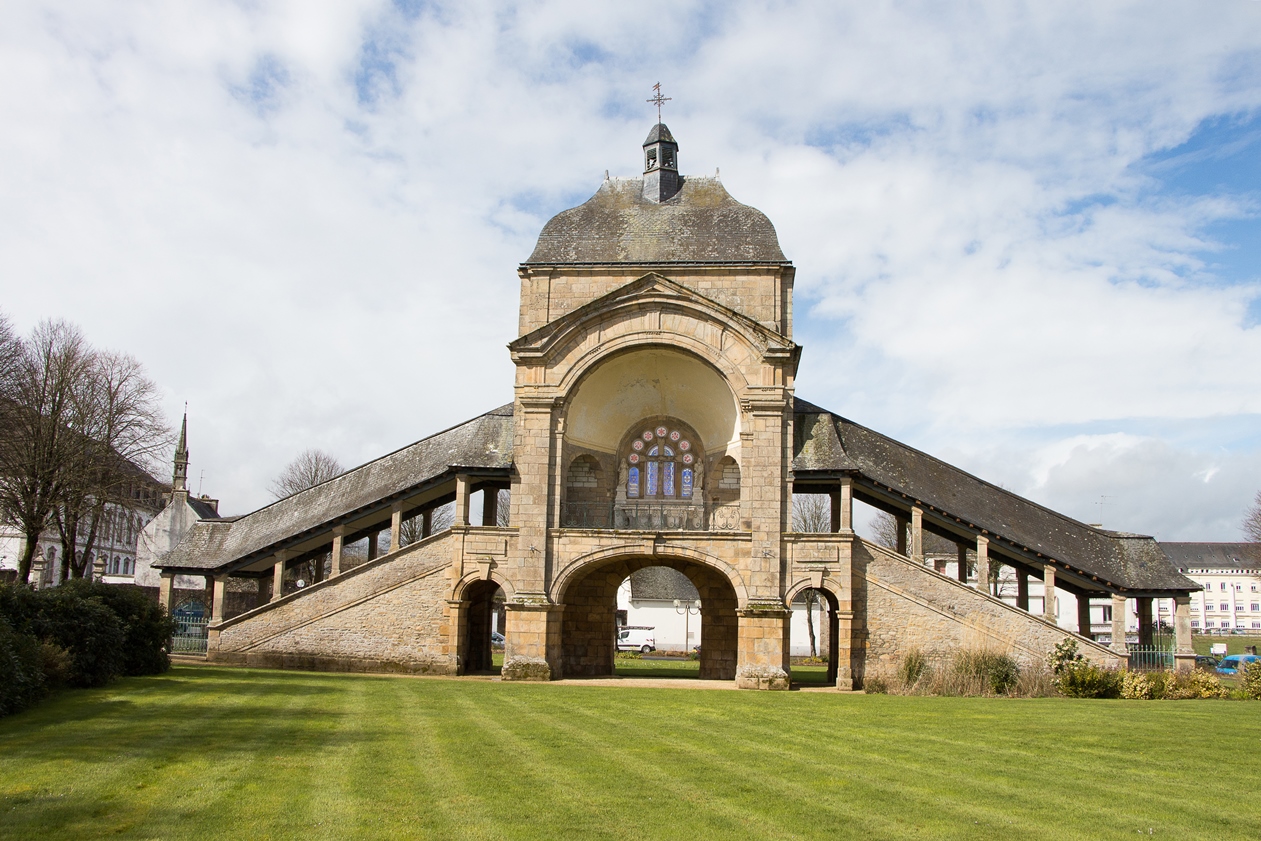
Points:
(1150, 658)
(190, 634)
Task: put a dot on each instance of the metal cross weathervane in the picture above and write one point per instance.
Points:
(658, 99)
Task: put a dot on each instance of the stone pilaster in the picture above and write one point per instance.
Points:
(917, 534)
(396, 526)
(339, 534)
(165, 583)
(532, 649)
(762, 655)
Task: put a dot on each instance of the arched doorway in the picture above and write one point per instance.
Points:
(815, 612)
(589, 622)
(483, 614)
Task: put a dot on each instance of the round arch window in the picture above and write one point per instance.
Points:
(660, 465)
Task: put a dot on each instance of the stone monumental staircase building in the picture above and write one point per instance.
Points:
(654, 423)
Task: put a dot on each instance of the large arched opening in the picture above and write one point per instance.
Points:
(589, 624)
(652, 442)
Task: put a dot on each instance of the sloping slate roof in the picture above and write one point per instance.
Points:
(1242, 556)
(203, 509)
(702, 223)
(659, 133)
(485, 441)
(662, 583)
(827, 442)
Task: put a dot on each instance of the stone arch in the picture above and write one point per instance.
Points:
(830, 590)
(588, 622)
(592, 358)
(458, 592)
(665, 554)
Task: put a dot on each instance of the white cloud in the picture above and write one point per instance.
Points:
(305, 218)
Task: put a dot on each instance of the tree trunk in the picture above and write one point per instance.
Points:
(28, 557)
(814, 649)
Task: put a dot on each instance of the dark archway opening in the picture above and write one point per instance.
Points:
(589, 624)
(482, 616)
(815, 661)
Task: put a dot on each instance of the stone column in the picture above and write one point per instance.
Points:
(1083, 615)
(917, 534)
(1022, 590)
(1048, 594)
(278, 576)
(900, 523)
(372, 545)
(461, 499)
(762, 647)
(165, 583)
(396, 527)
(982, 563)
(1183, 652)
(339, 533)
(1118, 625)
(426, 523)
(490, 506)
(1145, 624)
(962, 571)
(843, 506)
(220, 586)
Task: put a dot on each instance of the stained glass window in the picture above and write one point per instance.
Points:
(652, 477)
(667, 470)
(632, 482)
(686, 489)
(658, 450)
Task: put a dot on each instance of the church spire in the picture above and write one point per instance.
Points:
(179, 480)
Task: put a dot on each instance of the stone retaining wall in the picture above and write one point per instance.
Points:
(910, 606)
(387, 615)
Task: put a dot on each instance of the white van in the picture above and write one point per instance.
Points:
(636, 638)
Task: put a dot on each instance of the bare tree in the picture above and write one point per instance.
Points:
(310, 468)
(812, 513)
(36, 433)
(885, 527)
(1252, 521)
(119, 432)
(441, 519)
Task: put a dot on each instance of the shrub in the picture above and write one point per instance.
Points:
(147, 625)
(1064, 656)
(1083, 679)
(1196, 684)
(913, 666)
(88, 630)
(21, 669)
(1136, 687)
(996, 673)
(876, 685)
(1251, 685)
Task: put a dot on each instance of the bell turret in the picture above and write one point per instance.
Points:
(661, 165)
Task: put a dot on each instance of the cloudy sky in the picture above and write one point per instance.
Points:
(1027, 235)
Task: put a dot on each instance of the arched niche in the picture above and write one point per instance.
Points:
(651, 382)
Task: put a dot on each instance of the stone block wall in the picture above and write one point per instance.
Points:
(910, 606)
(387, 615)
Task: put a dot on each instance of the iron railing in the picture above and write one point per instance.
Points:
(190, 635)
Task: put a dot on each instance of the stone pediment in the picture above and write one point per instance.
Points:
(652, 291)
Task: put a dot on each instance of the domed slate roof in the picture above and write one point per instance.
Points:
(701, 223)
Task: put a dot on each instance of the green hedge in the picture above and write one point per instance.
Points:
(79, 634)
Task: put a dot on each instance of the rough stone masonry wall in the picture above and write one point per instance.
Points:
(910, 606)
(387, 615)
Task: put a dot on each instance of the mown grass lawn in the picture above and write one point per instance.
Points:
(206, 752)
